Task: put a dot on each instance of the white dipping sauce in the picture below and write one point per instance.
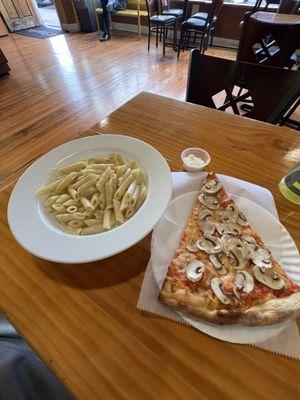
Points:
(193, 161)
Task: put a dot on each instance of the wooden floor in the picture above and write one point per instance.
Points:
(60, 86)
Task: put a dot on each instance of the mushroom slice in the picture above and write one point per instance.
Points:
(239, 257)
(230, 214)
(268, 277)
(194, 270)
(207, 227)
(243, 282)
(228, 228)
(215, 286)
(261, 257)
(229, 241)
(209, 201)
(204, 214)
(191, 245)
(248, 239)
(210, 244)
(212, 187)
(242, 220)
(219, 266)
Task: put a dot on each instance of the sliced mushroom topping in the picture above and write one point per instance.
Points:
(212, 187)
(210, 244)
(228, 228)
(242, 220)
(243, 282)
(261, 257)
(214, 259)
(239, 257)
(248, 239)
(204, 214)
(194, 270)
(209, 201)
(230, 214)
(215, 286)
(268, 277)
(191, 245)
(229, 241)
(207, 227)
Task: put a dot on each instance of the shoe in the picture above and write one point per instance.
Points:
(105, 37)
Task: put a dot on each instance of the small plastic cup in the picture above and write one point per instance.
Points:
(197, 152)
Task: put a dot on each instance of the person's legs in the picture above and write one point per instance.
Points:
(107, 6)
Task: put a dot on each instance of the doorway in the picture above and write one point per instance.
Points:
(48, 13)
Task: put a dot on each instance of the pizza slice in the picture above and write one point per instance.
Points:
(222, 271)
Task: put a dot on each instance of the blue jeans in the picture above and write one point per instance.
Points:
(110, 7)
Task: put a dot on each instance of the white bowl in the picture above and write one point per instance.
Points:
(196, 151)
(36, 232)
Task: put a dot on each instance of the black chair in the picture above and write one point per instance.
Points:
(159, 23)
(269, 43)
(199, 28)
(167, 10)
(272, 90)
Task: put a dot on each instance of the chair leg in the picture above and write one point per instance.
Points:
(175, 35)
(164, 39)
(156, 36)
(160, 33)
(149, 36)
(180, 41)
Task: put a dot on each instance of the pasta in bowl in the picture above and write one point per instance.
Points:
(94, 195)
(109, 160)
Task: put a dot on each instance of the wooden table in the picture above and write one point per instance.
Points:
(82, 319)
(276, 18)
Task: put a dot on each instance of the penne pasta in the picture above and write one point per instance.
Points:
(86, 185)
(122, 178)
(86, 203)
(102, 200)
(121, 190)
(73, 192)
(49, 188)
(70, 178)
(63, 198)
(95, 200)
(75, 167)
(72, 209)
(129, 192)
(100, 167)
(71, 202)
(104, 178)
(118, 213)
(94, 222)
(141, 198)
(107, 219)
(94, 195)
(51, 200)
(75, 223)
(121, 170)
(108, 193)
(92, 230)
(59, 208)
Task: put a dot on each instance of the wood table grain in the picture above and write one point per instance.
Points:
(82, 319)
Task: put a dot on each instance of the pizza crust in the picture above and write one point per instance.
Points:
(268, 313)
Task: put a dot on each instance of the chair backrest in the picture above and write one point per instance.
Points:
(266, 42)
(152, 7)
(215, 80)
(214, 10)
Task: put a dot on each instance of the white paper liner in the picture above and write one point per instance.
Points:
(183, 183)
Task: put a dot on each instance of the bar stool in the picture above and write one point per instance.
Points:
(160, 24)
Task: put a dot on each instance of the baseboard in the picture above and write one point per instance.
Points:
(218, 41)
(119, 26)
(224, 42)
(71, 27)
